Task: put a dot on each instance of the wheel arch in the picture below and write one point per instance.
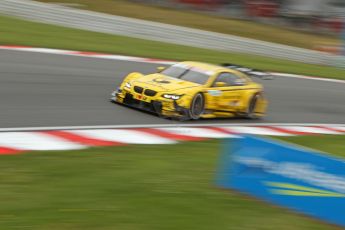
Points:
(250, 94)
(260, 103)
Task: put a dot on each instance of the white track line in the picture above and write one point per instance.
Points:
(123, 136)
(41, 50)
(256, 131)
(35, 141)
(197, 132)
(307, 77)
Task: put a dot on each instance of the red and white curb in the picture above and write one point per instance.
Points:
(137, 59)
(14, 141)
(88, 54)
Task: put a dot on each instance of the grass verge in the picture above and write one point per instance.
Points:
(136, 187)
(332, 144)
(186, 18)
(20, 32)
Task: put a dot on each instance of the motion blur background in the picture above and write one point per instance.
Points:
(315, 16)
(151, 186)
(321, 16)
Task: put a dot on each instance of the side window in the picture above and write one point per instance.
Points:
(230, 79)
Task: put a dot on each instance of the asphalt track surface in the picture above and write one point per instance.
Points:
(39, 89)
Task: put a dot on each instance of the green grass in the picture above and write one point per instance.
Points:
(19, 32)
(136, 187)
(187, 18)
(332, 144)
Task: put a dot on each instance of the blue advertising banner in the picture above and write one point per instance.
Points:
(300, 179)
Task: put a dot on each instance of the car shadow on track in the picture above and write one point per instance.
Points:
(184, 120)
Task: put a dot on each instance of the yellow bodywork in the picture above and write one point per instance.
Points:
(150, 92)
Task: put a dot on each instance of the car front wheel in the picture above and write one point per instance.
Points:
(197, 107)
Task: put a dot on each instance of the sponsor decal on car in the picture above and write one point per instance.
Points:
(215, 92)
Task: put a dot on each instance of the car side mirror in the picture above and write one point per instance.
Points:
(220, 84)
(160, 69)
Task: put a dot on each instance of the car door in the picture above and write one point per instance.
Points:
(225, 92)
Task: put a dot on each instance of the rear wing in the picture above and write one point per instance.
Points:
(250, 72)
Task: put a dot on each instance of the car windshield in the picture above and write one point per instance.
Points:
(174, 71)
(186, 74)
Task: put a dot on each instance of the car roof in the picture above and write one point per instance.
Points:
(206, 66)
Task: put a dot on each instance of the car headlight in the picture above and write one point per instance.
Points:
(172, 96)
(128, 85)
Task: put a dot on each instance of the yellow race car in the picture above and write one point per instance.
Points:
(193, 90)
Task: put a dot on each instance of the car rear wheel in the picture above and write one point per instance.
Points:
(251, 114)
(197, 107)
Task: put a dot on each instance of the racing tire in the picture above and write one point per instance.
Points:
(197, 107)
(250, 114)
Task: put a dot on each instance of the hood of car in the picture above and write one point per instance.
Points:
(162, 83)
